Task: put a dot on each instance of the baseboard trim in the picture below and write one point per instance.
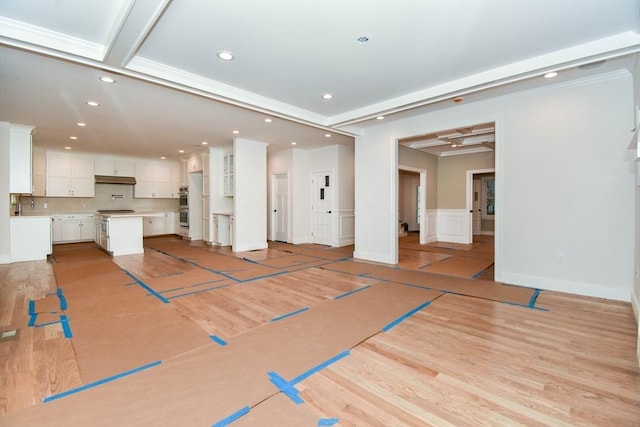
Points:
(579, 288)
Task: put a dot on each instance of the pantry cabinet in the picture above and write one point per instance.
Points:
(70, 175)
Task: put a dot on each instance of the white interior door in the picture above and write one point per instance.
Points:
(280, 207)
(321, 207)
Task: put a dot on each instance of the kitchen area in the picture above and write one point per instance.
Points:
(57, 197)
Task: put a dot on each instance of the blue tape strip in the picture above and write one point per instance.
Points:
(285, 387)
(65, 326)
(147, 287)
(99, 382)
(532, 301)
(323, 365)
(346, 294)
(32, 307)
(293, 313)
(327, 421)
(63, 300)
(218, 339)
(32, 319)
(405, 316)
(231, 418)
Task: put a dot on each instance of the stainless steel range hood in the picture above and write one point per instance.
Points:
(108, 179)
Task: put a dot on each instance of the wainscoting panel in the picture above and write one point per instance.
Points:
(453, 225)
(346, 227)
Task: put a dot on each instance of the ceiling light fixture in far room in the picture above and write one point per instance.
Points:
(163, 158)
(268, 120)
(67, 148)
(181, 151)
(204, 143)
(225, 55)
(73, 137)
(327, 96)
(235, 132)
(550, 75)
(107, 80)
(82, 125)
(363, 39)
(327, 135)
(294, 143)
(380, 118)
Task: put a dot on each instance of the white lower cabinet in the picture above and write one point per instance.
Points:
(153, 225)
(68, 228)
(157, 224)
(221, 235)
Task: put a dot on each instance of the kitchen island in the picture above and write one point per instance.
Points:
(120, 233)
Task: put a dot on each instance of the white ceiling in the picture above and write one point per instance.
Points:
(172, 92)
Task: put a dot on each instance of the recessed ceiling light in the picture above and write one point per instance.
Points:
(268, 120)
(180, 151)
(293, 143)
(236, 132)
(380, 118)
(363, 39)
(327, 96)
(67, 148)
(107, 80)
(93, 104)
(204, 143)
(225, 55)
(327, 135)
(73, 137)
(550, 75)
(81, 124)
(453, 145)
(163, 158)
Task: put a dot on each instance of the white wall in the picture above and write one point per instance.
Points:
(250, 198)
(5, 238)
(564, 184)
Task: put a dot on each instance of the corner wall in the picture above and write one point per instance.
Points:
(5, 201)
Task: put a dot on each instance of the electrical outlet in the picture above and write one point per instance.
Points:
(561, 258)
(45, 206)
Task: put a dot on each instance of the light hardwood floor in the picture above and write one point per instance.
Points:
(459, 361)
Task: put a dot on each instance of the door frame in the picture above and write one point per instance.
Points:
(423, 199)
(469, 208)
(272, 202)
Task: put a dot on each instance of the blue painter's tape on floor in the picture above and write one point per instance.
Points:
(526, 306)
(65, 326)
(32, 319)
(218, 339)
(288, 387)
(346, 294)
(293, 313)
(285, 387)
(99, 382)
(231, 418)
(32, 307)
(327, 421)
(147, 287)
(532, 301)
(63, 300)
(405, 316)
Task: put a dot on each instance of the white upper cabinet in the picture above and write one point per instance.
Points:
(194, 164)
(70, 175)
(157, 180)
(114, 166)
(20, 178)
